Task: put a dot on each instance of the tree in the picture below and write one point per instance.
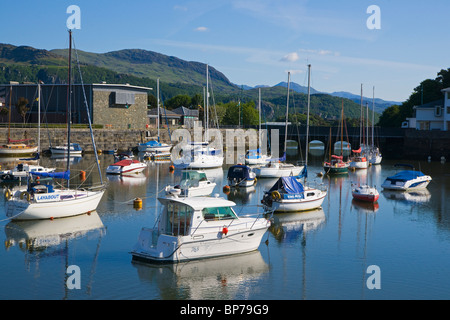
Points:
(152, 101)
(3, 112)
(22, 107)
(181, 100)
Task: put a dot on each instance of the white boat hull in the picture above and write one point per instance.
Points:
(414, 184)
(295, 205)
(64, 152)
(260, 160)
(164, 148)
(199, 162)
(10, 152)
(76, 202)
(204, 189)
(214, 244)
(133, 168)
(359, 164)
(277, 170)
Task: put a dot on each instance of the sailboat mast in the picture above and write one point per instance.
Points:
(39, 116)
(9, 114)
(307, 115)
(287, 113)
(342, 130)
(157, 94)
(207, 103)
(259, 129)
(69, 109)
(373, 116)
(361, 130)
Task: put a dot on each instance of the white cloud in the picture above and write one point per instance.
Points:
(290, 57)
(201, 29)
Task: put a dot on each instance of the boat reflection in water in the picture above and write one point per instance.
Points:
(38, 235)
(287, 227)
(214, 278)
(364, 206)
(413, 196)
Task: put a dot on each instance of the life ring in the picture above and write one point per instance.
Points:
(8, 194)
(26, 195)
(276, 195)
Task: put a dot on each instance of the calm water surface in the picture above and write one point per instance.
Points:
(323, 254)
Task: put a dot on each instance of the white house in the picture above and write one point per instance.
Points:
(432, 116)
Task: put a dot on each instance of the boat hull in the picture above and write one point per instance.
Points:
(293, 205)
(174, 249)
(164, 148)
(80, 203)
(276, 171)
(135, 168)
(17, 152)
(415, 184)
(199, 162)
(203, 190)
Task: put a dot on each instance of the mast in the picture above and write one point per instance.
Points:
(69, 109)
(157, 94)
(307, 116)
(287, 114)
(207, 103)
(361, 130)
(39, 116)
(9, 115)
(259, 129)
(373, 116)
(342, 130)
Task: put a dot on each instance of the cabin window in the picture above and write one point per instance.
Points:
(218, 213)
(179, 217)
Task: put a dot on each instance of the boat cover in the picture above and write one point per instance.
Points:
(406, 175)
(151, 143)
(239, 172)
(288, 185)
(59, 175)
(124, 163)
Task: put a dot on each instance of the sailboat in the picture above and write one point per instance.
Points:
(359, 160)
(336, 163)
(375, 156)
(288, 194)
(21, 171)
(277, 168)
(14, 148)
(155, 146)
(255, 157)
(44, 201)
(201, 155)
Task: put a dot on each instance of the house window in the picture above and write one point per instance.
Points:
(448, 110)
(424, 125)
(437, 111)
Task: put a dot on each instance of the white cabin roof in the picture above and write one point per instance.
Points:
(198, 203)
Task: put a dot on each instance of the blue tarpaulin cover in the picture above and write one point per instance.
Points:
(59, 175)
(405, 176)
(288, 185)
(239, 172)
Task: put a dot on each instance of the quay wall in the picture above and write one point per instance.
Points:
(394, 143)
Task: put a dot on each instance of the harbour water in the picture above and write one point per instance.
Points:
(322, 254)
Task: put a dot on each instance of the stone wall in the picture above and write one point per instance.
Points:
(133, 117)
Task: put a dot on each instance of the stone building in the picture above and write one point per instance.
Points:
(114, 106)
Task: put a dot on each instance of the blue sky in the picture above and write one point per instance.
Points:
(255, 42)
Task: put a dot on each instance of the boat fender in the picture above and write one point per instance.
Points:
(276, 195)
(25, 195)
(225, 230)
(8, 194)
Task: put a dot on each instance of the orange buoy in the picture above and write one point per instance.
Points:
(83, 175)
(137, 204)
(225, 230)
(171, 168)
(226, 189)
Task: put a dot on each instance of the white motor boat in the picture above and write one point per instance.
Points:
(75, 150)
(154, 146)
(277, 170)
(407, 180)
(193, 184)
(241, 176)
(200, 157)
(289, 195)
(20, 172)
(198, 228)
(126, 166)
(365, 193)
(255, 157)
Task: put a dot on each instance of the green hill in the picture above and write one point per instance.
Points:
(142, 68)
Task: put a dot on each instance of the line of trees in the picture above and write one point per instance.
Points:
(428, 91)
